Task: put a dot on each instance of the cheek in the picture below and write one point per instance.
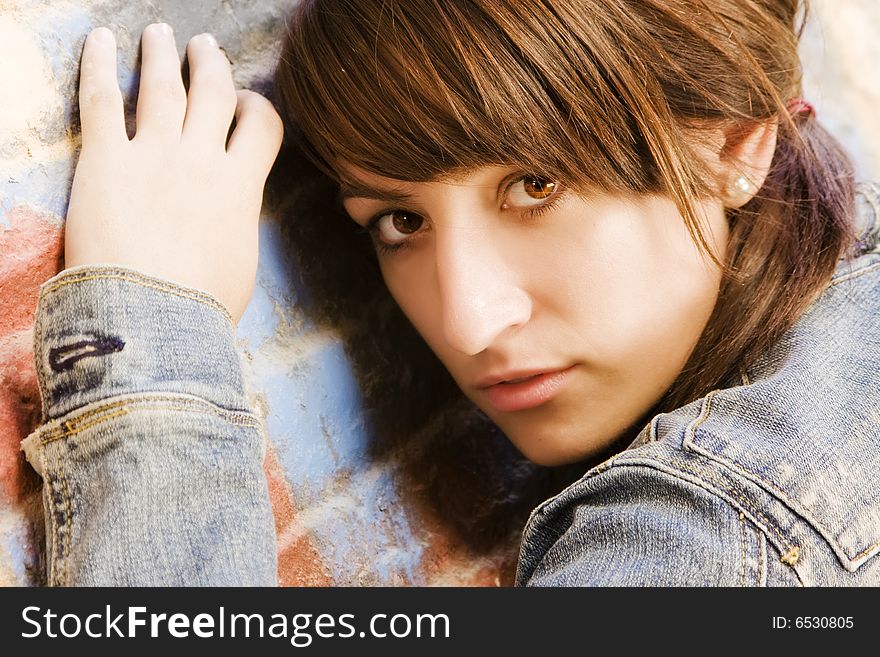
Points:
(636, 288)
(411, 287)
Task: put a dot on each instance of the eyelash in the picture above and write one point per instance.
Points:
(372, 227)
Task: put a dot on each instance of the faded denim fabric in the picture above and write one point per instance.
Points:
(150, 456)
(152, 460)
(775, 482)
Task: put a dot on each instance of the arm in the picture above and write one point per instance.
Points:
(151, 460)
(150, 457)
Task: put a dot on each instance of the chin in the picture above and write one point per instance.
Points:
(558, 451)
(552, 455)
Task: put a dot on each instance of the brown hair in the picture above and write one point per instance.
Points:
(596, 93)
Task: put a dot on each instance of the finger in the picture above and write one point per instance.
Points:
(258, 132)
(162, 98)
(100, 101)
(211, 102)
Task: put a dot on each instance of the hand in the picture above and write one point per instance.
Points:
(176, 201)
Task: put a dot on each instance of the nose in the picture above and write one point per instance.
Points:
(481, 293)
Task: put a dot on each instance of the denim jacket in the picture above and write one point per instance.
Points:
(152, 460)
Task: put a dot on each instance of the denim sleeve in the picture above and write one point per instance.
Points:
(640, 526)
(150, 456)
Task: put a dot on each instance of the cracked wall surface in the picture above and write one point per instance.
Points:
(341, 519)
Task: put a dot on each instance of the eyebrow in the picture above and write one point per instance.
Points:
(355, 189)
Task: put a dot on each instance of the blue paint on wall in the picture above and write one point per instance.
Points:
(43, 188)
(376, 530)
(275, 298)
(314, 418)
(315, 422)
(12, 544)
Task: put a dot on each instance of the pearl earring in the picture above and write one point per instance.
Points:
(743, 185)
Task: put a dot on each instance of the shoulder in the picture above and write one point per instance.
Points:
(775, 482)
(643, 524)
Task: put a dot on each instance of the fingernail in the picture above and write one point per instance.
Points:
(102, 35)
(163, 28)
(209, 39)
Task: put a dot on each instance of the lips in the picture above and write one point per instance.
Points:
(527, 392)
(516, 376)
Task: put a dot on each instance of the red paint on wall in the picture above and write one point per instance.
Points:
(30, 253)
(299, 563)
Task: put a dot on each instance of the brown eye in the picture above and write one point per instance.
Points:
(391, 229)
(530, 192)
(405, 222)
(539, 188)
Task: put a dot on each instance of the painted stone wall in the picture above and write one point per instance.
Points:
(341, 519)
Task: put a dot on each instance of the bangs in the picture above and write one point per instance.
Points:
(419, 90)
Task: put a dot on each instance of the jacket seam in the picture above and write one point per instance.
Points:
(690, 445)
(88, 419)
(61, 434)
(58, 492)
(739, 505)
(60, 557)
(147, 282)
(854, 274)
(737, 500)
(68, 525)
(52, 520)
(762, 559)
(689, 435)
(870, 191)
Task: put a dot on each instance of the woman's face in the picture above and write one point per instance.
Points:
(506, 276)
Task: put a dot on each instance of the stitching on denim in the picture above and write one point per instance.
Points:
(71, 429)
(868, 549)
(53, 520)
(79, 428)
(59, 536)
(85, 420)
(791, 557)
(193, 295)
(854, 274)
(652, 430)
(867, 240)
(239, 422)
(691, 428)
(60, 557)
(762, 547)
(111, 405)
(779, 493)
(68, 525)
(539, 510)
(742, 547)
(199, 403)
(744, 504)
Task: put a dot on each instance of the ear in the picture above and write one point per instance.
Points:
(744, 160)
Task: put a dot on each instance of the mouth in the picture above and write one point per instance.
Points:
(528, 391)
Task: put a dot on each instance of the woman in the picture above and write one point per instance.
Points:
(615, 225)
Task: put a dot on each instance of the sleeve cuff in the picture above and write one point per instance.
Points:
(103, 331)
